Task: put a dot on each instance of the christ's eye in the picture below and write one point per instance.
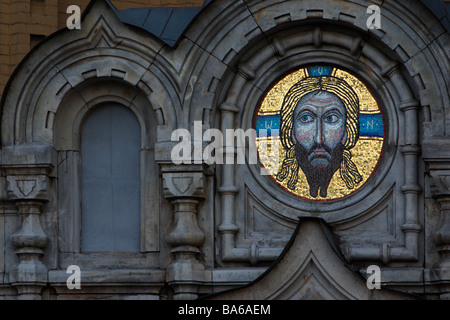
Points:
(332, 118)
(306, 118)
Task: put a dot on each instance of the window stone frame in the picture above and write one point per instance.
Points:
(68, 122)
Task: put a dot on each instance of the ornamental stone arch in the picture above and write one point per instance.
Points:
(103, 48)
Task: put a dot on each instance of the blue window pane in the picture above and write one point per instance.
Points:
(110, 180)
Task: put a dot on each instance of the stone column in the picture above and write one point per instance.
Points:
(183, 187)
(228, 190)
(28, 188)
(28, 169)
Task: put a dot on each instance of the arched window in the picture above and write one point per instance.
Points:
(110, 180)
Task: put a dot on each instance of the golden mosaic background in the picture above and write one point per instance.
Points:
(365, 154)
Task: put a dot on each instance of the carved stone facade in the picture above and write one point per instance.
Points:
(207, 228)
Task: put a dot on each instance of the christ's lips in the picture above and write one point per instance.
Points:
(319, 152)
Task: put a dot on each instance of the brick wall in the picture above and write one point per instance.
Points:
(23, 23)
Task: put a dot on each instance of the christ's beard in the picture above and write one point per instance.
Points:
(319, 165)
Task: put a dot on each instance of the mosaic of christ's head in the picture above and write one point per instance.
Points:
(319, 127)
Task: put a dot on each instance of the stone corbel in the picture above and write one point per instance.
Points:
(184, 188)
(23, 185)
(27, 170)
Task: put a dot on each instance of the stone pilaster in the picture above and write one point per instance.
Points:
(184, 188)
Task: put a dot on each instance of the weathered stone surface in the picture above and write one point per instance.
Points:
(309, 268)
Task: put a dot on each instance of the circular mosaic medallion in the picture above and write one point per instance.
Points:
(320, 133)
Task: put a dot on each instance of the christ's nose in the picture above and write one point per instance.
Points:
(318, 138)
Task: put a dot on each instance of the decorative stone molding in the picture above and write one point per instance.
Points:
(411, 227)
(27, 187)
(440, 185)
(228, 190)
(183, 185)
(184, 188)
(309, 268)
(30, 275)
